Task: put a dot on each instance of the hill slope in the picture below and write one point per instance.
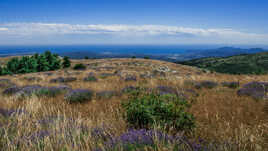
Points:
(240, 64)
(221, 113)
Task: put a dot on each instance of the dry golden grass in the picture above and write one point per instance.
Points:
(221, 115)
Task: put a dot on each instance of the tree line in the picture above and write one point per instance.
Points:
(46, 61)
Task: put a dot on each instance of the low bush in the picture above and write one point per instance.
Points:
(55, 80)
(163, 90)
(129, 89)
(206, 84)
(70, 79)
(6, 83)
(11, 90)
(130, 78)
(79, 66)
(62, 80)
(168, 111)
(105, 75)
(30, 79)
(257, 90)
(78, 96)
(90, 78)
(49, 91)
(105, 94)
(232, 85)
(39, 91)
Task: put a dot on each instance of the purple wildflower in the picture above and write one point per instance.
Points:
(130, 78)
(257, 90)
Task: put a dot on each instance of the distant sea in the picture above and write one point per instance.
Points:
(164, 52)
(141, 49)
(120, 49)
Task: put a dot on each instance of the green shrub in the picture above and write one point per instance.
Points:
(66, 62)
(86, 57)
(80, 66)
(168, 111)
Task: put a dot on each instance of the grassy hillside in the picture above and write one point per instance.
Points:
(240, 64)
(44, 111)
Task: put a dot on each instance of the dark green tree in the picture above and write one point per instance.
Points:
(66, 62)
(43, 65)
(53, 60)
(1, 70)
(79, 66)
(13, 65)
(146, 57)
(86, 57)
(28, 64)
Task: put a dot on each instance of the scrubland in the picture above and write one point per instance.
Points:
(224, 120)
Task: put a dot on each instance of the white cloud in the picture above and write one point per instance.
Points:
(3, 29)
(195, 34)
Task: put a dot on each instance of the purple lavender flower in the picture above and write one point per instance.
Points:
(78, 96)
(130, 78)
(105, 94)
(164, 90)
(59, 79)
(257, 90)
(11, 90)
(10, 112)
(6, 83)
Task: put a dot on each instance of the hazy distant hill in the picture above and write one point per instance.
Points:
(219, 52)
(240, 64)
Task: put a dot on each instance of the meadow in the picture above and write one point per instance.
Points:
(227, 117)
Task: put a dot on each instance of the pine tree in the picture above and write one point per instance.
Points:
(43, 65)
(13, 65)
(1, 70)
(66, 62)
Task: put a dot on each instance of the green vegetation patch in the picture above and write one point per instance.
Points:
(28, 64)
(240, 64)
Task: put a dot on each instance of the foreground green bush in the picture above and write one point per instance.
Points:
(168, 111)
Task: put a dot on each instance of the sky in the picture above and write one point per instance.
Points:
(46, 22)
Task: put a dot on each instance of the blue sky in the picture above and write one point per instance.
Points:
(133, 22)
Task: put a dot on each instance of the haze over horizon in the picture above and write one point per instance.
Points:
(72, 22)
